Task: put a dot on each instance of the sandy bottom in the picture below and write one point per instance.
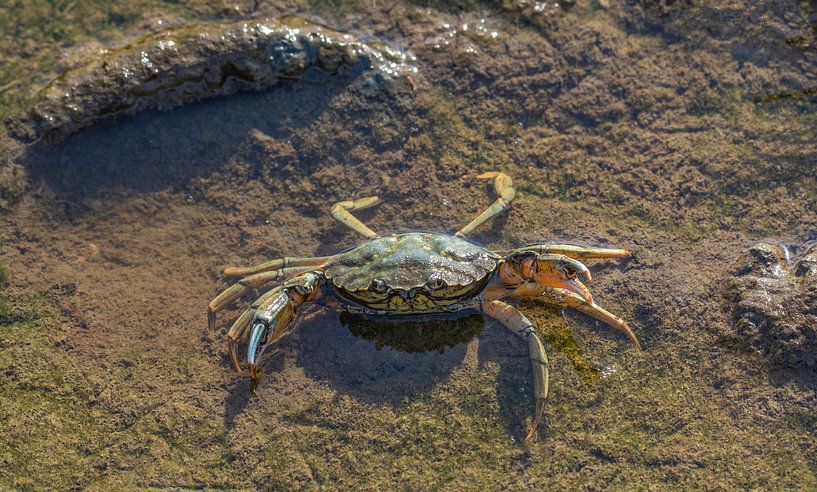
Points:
(658, 131)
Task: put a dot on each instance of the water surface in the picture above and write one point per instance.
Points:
(683, 133)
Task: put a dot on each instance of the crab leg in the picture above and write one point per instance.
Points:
(511, 318)
(341, 211)
(576, 252)
(243, 286)
(278, 264)
(504, 188)
(566, 298)
(237, 333)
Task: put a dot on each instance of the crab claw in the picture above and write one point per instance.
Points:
(256, 347)
(268, 325)
(560, 271)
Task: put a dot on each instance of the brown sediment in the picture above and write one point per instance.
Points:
(623, 124)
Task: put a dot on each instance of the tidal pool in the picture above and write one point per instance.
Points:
(683, 132)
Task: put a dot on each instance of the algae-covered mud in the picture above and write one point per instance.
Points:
(685, 132)
(186, 64)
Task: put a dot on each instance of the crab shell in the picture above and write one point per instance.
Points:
(413, 273)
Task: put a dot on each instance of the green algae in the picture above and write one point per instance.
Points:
(50, 429)
(559, 337)
(450, 141)
(35, 32)
(58, 432)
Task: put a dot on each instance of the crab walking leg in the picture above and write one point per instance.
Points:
(243, 286)
(279, 264)
(518, 323)
(237, 332)
(575, 252)
(566, 298)
(504, 188)
(342, 212)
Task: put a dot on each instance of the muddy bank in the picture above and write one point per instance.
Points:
(775, 294)
(186, 64)
(623, 125)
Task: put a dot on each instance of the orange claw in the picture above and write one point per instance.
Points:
(557, 271)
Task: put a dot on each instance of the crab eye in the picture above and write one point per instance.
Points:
(435, 283)
(378, 286)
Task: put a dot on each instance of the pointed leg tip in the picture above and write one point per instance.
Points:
(234, 357)
(530, 435)
(367, 202)
(488, 175)
(626, 329)
(540, 410)
(532, 431)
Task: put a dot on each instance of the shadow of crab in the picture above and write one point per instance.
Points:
(382, 361)
(415, 335)
(393, 362)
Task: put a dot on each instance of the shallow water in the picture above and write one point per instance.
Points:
(683, 133)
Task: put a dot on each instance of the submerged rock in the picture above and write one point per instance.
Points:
(775, 308)
(194, 62)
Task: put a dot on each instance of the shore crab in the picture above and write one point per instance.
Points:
(415, 274)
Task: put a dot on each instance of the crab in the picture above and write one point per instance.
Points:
(417, 274)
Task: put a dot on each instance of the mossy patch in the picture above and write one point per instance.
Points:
(51, 430)
(453, 144)
(681, 228)
(61, 431)
(4, 276)
(559, 335)
(36, 32)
